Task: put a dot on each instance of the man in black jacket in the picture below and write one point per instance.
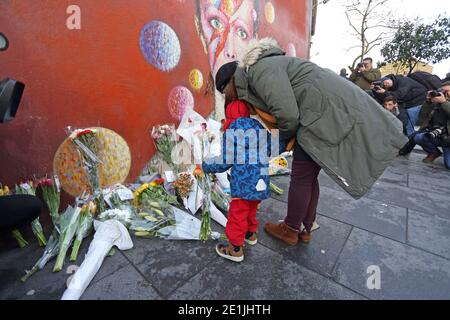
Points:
(390, 104)
(409, 93)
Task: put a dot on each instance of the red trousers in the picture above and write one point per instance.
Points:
(241, 219)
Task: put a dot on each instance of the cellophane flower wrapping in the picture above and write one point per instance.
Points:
(51, 250)
(36, 227)
(165, 138)
(183, 186)
(185, 227)
(108, 234)
(68, 225)
(85, 140)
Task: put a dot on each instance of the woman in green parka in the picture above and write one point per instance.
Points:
(337, 126)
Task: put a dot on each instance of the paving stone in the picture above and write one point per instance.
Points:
(429, 232)
(45, 283)
(371, 215)
(167, 264)
(321, 254)
(406, 272)
(428, 202)
(431, 182)
(264, 274)
(124, 284)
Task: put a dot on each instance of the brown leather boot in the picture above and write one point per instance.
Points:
(305, 237)
(283, 232)
(431, 157)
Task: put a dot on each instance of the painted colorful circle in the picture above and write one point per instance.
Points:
(228, 7)
(160, 45)
(269, 11)
(180, 100)
(113, 152)
(196, 79)
(290, 50)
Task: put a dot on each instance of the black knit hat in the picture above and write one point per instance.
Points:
(224, 75)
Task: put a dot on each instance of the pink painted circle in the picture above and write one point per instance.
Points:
(180, 100)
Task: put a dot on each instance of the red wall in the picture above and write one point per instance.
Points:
(97, 76)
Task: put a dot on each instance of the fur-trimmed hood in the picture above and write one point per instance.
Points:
(256, 49)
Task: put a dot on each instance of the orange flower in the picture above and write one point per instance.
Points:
(198, 172)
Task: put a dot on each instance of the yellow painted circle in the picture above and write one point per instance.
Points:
(115, 167)
(269, 11)
(228, 7)
(196, 79)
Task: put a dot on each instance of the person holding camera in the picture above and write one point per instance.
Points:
(409, 93)
(364, 74)
(390, 104)
(434, 122)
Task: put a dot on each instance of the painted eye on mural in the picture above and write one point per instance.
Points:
(242, 34)
(4, 44)
(216, 24)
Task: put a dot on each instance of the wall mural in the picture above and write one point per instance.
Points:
(169, 54)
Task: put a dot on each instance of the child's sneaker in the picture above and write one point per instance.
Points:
(251, 238)
(230, 252)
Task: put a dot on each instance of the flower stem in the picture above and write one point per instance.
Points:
(60, 259)
(20, 240)
(39, 232)
(75, 249)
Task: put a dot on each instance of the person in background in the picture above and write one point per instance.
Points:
(434, 120)
(409, 93)
(343, 73)
(364, 74)
(390, 104)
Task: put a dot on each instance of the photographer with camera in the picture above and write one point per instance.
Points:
(409, 93)
(434, 122)
(390, 104)
(364, 74)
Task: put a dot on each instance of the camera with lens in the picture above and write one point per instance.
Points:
(435, 93)
(378, 85)
(359, 65)
(436, 133)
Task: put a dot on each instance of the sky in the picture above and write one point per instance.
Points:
(332, 38)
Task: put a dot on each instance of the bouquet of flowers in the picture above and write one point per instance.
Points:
(183, 186)
(183, 227)
(165, 138)
(118, 196)
(124, 216)
(50, 251)
(220, 198)
(51, 194)
(153, 191)
(278, 166)
(84, 228)
(4, 191)
(204, 183)
(155, 216)
(28, 188)
(68, 225)
(86, 142)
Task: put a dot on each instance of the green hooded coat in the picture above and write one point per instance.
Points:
(341, 127)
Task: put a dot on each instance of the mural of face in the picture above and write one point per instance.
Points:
(226, 27)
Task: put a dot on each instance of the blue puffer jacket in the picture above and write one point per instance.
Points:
(249, 178)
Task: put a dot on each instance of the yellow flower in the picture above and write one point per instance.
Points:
(138, 192)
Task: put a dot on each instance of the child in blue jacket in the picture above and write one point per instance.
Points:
(246, 150)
